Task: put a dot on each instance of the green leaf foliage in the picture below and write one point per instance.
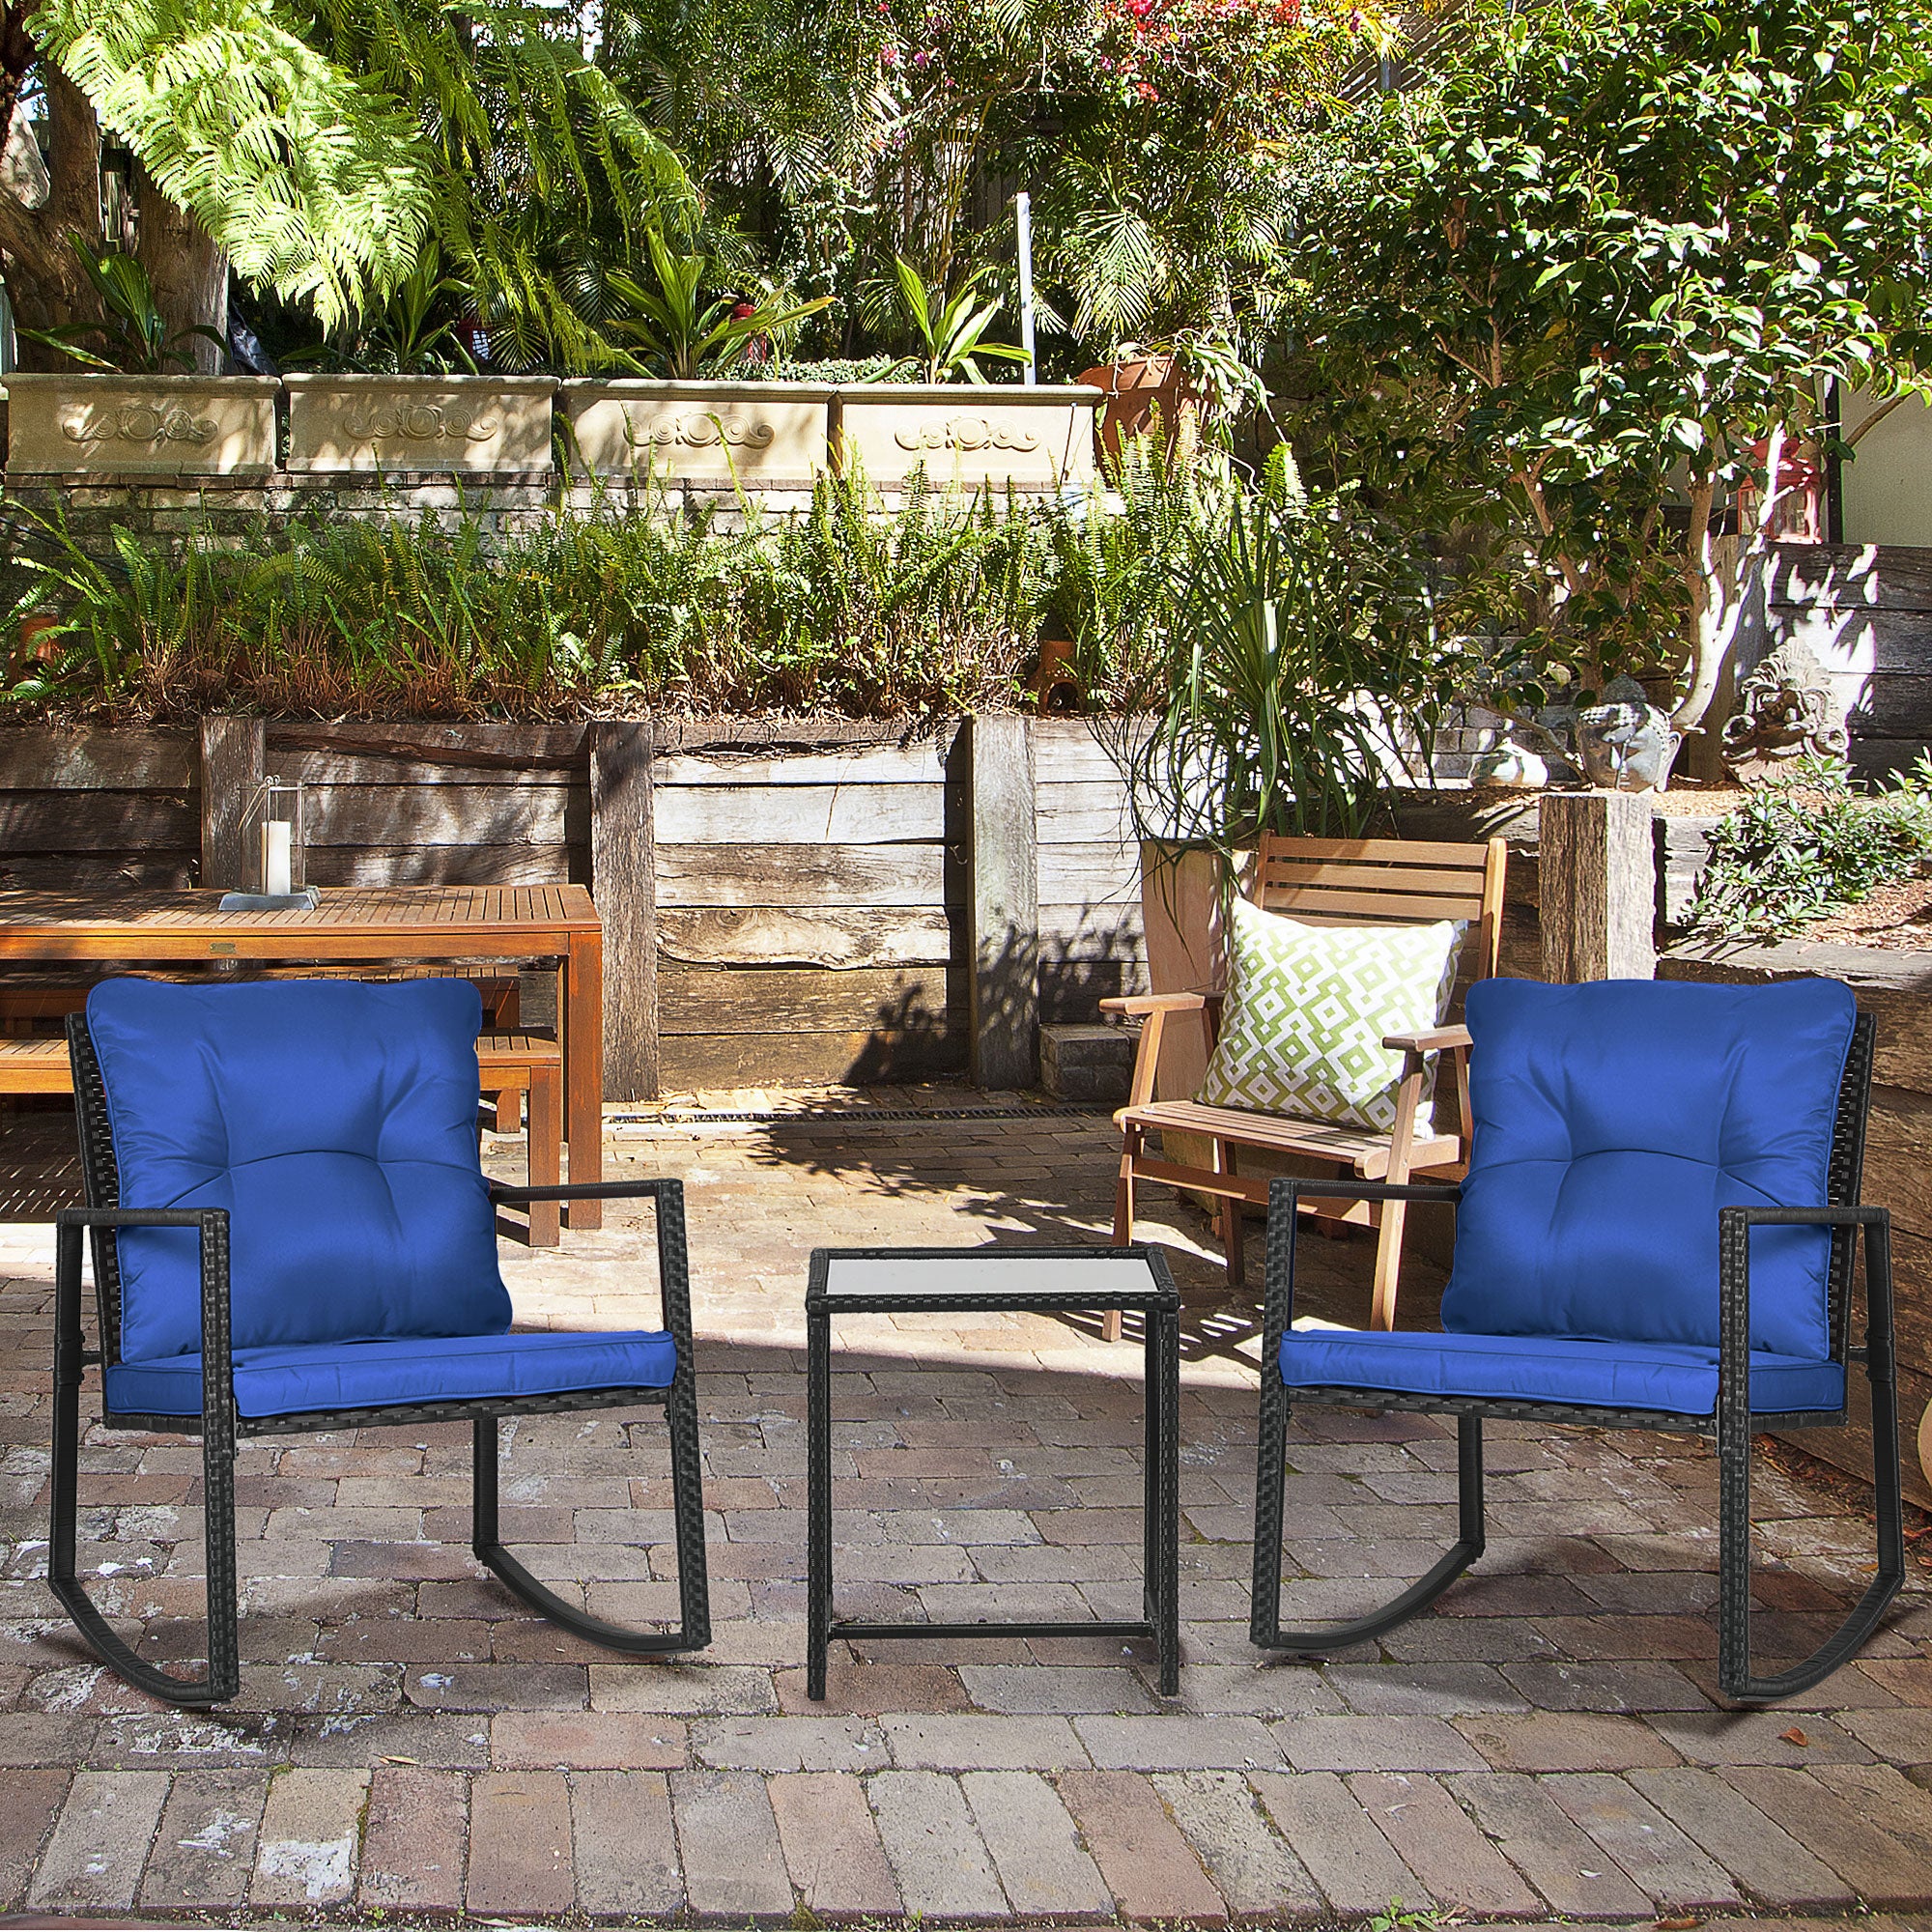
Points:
(682, 331)
(1808, 842)
(311, 178)
(542, 172)
(1304, 674)
(133, 331)
(1574, 288)
(952, 333)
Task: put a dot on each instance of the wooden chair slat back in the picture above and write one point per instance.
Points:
(1388, 882)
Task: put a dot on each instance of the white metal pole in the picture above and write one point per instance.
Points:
(1023, 209)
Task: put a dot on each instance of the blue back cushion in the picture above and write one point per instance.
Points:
(1611, 1122)
(336, 1122)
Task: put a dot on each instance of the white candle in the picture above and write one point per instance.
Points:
(275, 851)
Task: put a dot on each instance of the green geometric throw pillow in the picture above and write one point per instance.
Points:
(1307, 1009)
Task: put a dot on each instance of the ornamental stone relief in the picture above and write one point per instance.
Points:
(150, 423)
(965, 432)
(409, 420)
(698, 432)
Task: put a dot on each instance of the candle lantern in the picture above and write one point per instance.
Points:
(272, 848)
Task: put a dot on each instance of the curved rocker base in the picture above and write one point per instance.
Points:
(693, 1633)
(1264, 1631)
(547, 1604)
(218, 1686)
(1843, 1646)
(1338, 1637)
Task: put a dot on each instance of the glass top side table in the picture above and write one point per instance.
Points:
(1002, 1280)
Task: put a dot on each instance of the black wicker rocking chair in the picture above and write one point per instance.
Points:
(220, 1422)
(1305, 1371)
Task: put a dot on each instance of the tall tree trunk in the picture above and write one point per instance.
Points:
(188, 272)
(43, 274)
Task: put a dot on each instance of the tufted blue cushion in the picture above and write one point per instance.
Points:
(336, 1122)
(1611, 1122)
(1541, 1368)
(379, 1375)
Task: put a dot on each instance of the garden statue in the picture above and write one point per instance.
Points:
(1625, 743)
(1507, 763)
(1786, 708)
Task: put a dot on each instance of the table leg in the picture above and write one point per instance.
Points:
(1169, 1624)
(1151, 1559)
(817, 1498)
(583, 1071)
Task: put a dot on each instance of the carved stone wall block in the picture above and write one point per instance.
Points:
(700, 432)
(470, 425)
(89, 424)
(1034, 438)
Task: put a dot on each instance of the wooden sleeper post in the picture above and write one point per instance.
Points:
(623, 881)
(1005, 904)
(234, 758)
(1597, 887)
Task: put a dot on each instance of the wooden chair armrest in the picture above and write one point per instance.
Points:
(1137, 1005)
(1428, 1039)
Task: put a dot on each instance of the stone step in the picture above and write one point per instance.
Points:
(1086, 1063)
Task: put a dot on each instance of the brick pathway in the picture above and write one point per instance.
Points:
(1548, 1744)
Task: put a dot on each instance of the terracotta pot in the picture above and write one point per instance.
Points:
(1186, 952)
(1133, 390)
(31, 649)
(1055, 683)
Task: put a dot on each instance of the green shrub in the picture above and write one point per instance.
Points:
(1807, 842)
(841, 608)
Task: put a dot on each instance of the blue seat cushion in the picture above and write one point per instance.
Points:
(1611, 1122)
(336, 1122)
(1677, 1377)
(387, 1375)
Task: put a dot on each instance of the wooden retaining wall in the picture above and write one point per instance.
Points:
(1091, 942)
(412, 805)
(1866, 614)
(809, 901)
(782, 903)
(98, 809)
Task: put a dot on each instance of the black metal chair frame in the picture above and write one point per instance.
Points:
(1161, 1501)
(220, 1427)
(1732, 1425)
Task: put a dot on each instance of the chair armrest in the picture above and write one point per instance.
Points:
(513, 1194)
(1136, 1005)
(1428, 1039)
(1283, 1221)
(1733, 1225)
(673, 1255)
(211, 1224)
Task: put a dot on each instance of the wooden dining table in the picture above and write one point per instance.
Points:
(372, 925)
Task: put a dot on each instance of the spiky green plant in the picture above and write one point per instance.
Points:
(1302, 675)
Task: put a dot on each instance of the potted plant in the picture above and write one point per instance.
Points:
(1026, 437)
(129, 409)
(1300, 685)
(698, 410)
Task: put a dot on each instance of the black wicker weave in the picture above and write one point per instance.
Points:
(219, 1426)
(1159, 1304)
(1732, 1426)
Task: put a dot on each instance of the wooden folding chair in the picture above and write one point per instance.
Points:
(1324, 882)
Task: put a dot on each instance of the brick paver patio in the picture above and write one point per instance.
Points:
(1548, 1744)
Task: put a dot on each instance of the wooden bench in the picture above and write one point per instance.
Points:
(510, 1065)
(526, 1062)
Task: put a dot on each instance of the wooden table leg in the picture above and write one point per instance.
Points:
(583, 1071)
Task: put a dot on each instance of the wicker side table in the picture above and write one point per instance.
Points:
(1002, 1280)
